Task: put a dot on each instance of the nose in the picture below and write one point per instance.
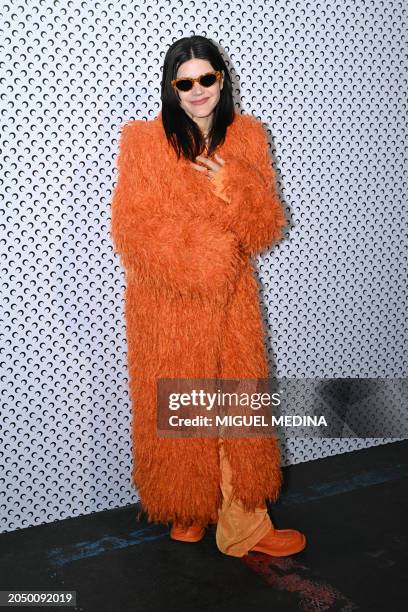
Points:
(197, 89)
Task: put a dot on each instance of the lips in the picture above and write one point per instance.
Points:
(200, 101)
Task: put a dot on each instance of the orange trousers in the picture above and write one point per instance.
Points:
(237, 530)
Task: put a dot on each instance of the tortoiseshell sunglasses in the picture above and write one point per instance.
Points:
(206, 80)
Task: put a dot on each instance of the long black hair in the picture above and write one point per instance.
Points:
(182, 132)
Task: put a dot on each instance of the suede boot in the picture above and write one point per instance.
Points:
(281, 542)
(194, 533)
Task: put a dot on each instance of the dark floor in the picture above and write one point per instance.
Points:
(353, 509)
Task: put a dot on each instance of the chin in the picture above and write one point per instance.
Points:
(201, 111)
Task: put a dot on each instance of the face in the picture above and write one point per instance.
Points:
(210, 95)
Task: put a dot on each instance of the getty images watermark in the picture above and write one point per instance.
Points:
(223, 407)
(253, 407)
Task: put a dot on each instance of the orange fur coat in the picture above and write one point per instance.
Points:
(192, 305)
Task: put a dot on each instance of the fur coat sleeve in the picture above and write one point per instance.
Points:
(186, 255)
(254, 211)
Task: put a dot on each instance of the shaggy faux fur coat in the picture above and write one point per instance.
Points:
(192, 305)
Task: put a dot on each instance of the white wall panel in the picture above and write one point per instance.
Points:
(329, 81)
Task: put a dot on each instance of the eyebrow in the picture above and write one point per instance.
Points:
(193, 77)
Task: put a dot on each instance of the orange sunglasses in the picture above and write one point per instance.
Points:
(206, 80)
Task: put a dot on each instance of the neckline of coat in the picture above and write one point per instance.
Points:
(231, 130)
(208, 204)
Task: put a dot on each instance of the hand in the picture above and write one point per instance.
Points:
(210, 167)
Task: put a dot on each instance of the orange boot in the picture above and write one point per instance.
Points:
(194, 533)
(281, 542)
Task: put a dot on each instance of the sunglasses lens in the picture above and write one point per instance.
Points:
(207, 80)
(184, 85)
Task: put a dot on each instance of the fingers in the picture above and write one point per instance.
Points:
(200, 168)
(209, 163)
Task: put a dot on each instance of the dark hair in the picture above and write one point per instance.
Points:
(182, 132)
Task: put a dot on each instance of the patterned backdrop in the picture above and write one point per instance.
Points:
(329, 82)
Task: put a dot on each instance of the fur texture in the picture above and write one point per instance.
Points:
(192, 306)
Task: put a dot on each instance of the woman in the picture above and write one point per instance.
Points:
(195, 198)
